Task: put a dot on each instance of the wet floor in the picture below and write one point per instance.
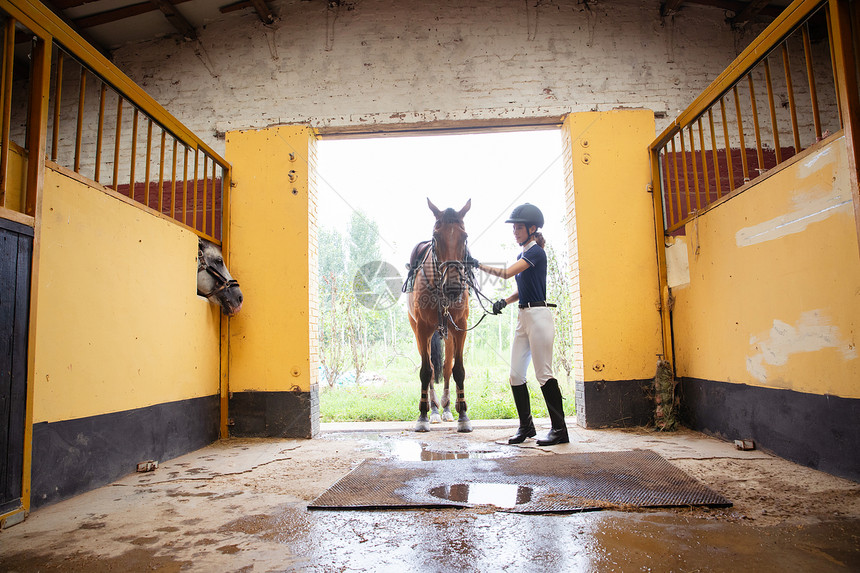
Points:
(242, 506)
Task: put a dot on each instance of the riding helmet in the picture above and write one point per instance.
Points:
(527, 214)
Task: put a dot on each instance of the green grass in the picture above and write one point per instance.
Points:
(488, 396)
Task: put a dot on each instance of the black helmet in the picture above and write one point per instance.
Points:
(527, 214)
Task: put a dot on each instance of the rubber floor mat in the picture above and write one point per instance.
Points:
(556, 483)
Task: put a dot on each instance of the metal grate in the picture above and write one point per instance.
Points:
(549, 484)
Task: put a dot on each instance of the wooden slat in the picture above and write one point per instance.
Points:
(161, 174)
(741, 134)
(6, 99)
(756, 127)
(792, 108)
(133, 153)
(148, 162)
(100, 136)
(717, 174)
(37, 122)
(173, 180)
(810, 76)
(729, 165)
(58, 96)
(695, 168)
(80, 126)
(772, 106)
(119, 102)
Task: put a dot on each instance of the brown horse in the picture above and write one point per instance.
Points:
(439, 305)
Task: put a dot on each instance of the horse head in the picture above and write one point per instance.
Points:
(214, 280)
(449, 248)
(449, 233)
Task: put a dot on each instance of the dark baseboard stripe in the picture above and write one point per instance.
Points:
(814, 430)
(74, 456)
(614, 403)
(274, 414)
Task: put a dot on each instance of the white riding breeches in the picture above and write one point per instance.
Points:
(533, 343)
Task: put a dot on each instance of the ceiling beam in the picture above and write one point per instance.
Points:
(116, 14)
(176, 19)
(263, 11)
(54, 7)
(749, 12)
(670, 7)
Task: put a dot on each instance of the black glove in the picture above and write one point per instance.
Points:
(499, 305)
(470, 261)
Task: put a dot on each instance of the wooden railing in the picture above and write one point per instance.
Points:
(778, 98)
(62, 99)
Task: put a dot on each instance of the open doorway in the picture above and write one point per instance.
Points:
(373, 210)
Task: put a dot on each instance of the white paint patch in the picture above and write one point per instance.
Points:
(677, 263)
(810, 207)
(811, 334)
(790, 223)
(811, 165)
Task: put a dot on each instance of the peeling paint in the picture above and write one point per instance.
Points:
(818, 204)
(811, 334)
(790, 223)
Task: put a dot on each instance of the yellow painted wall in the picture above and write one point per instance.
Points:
(17, 173)
(773, 291)
(611, 222)
(273, 253)
(119, 324)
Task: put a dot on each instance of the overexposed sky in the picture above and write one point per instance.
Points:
(390, 179)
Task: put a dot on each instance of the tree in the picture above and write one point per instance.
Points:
(558, 291)
(331, 265)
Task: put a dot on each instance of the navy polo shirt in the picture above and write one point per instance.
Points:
(531, 283)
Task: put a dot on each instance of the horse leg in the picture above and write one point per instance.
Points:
(459, 371)
(436, 363)
(426, 373)
(447, 416)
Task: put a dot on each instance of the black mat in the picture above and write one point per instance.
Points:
(527, 484)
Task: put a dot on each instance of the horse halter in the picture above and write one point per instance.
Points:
(222, 283)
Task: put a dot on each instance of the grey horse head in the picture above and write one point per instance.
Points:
(214, 280)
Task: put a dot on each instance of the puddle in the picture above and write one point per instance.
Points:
(498, 494)
(411, 451)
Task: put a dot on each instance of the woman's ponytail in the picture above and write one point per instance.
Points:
(538, 237)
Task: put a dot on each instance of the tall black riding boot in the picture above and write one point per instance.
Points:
(558, 433)
(524, 411)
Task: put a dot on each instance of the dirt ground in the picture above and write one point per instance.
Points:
(241, 505)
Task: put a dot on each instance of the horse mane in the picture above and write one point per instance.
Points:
(449, 215)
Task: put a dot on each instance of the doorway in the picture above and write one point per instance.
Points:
(373, 210)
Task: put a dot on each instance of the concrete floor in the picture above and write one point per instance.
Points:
(241, 505)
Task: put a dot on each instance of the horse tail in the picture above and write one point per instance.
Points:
(436, 356)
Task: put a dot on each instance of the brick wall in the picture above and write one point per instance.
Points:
(380, 62)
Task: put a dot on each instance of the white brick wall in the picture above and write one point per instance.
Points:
(386, 62)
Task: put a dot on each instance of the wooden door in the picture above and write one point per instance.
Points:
(16, 247)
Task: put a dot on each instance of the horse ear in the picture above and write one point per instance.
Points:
(465, 208)
(436, 212)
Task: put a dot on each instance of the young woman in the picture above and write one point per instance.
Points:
(535, 327)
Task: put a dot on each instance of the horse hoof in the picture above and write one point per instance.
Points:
(464, 426)
(422, 426)
(435, 419)
(447, 417)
